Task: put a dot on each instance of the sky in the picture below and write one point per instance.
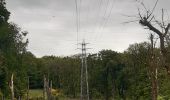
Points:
(56, 26)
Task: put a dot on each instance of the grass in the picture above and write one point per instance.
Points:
(36, 93)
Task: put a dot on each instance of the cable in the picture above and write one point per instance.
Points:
(107, 3)
(105, 21)
(102, 20)
(79, 16)
(77, 21)
(98, 14)
(100, 5)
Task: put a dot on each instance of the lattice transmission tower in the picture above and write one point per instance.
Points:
(84, 73)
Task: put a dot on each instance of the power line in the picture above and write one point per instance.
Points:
(79, 18)
(87, 19)
(77, 21)
(103, 18)
(98, 14)
(106, 19)
(88, 14)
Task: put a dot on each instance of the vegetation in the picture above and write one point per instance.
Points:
(122, 76)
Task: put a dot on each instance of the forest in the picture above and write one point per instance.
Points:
(141, 72)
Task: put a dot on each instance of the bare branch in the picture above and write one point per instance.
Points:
(144, 22)
(144, 7)
(152, 18)
(159, 23)
(139, 14)
(153, 8)
(163, 23)
(167, 29)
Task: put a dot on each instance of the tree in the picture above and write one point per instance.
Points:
(12, 48)
(111, 69)
(136, 71)
(147, 20)
(4, 13)
(153, 69)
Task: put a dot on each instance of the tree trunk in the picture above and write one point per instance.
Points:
(19, 98)
(164, 53)
(2, 98)
(153, 71)
(113, 89)
(28, 88)
(154, 83)
(44, 91)
(51, 87)
(47, 88)
(11, 85)
(107, 90)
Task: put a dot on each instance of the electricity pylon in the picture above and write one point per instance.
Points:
(84, 73)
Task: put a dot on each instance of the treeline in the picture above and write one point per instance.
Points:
(111, 74)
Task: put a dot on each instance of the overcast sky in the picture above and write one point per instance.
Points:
(53, 30)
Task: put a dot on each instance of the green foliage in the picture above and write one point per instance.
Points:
(137, 72)
(4, 14)
(122, 76)
(64, 72)
(12, 48)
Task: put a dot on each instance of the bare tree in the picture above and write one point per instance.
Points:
(153, 67)
(160, 27)
(47, 88)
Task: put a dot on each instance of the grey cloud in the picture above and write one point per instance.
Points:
(52, 23)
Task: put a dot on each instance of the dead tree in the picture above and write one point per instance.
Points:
(149, 21)
(153, 70)
(44, 90)
(47, 88)
(11, 86)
